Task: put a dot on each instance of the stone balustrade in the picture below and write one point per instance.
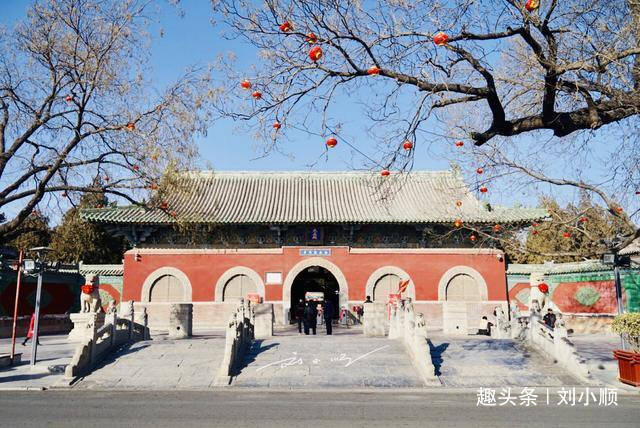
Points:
(410, 327)
(238, 337)
(103, 335)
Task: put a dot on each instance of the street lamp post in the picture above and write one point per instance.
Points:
(617, 261)
(41, 253)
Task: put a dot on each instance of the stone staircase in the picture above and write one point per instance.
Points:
(160, 364)
(346, 359)
(479, 361)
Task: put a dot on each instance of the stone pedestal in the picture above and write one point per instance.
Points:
(84, 324)
(263, 320)
(374, 319)
(180, 320)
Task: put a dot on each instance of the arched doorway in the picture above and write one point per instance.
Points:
(315, 279)
(167, 288)
(238, 287)
(463, 288)
(384, 286)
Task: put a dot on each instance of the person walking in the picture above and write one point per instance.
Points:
(309, 318)
(30, 332)
(328, 316)
(550, 318)
(299, 312)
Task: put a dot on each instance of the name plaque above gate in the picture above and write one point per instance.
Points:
(314, 252)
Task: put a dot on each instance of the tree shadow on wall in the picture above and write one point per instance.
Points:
(436, 355)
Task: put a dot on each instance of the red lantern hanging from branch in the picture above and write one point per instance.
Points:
(566, 235)
(373, 71)
(534, 224)
(131, 126)
(619, 210)
(63, 194)
(245, 84)
(277, 125)
(286, 26)
(173, 214)
(332, 142)
(69, 98)
(497, 228)
(584, 220)
(311, 38)
(479, 170)
(440, 38)
(164, 205)
(256, 95)
(459, 143)
(543, 287)
(315, 53)
(483, 189)
(457, 223)
(535, 232)
(473, 238)
(408, 145)
(458, 203)
(135, 167)
(531, 5)
(385, 173)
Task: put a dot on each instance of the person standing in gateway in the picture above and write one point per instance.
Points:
(310, 320)
(328, 315)
(299, 311)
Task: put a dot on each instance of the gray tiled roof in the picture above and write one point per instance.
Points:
(317, 197)
(551, 267)
(631, 249)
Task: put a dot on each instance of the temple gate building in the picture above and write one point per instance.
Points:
(215, 237)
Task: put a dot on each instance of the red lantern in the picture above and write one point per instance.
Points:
(131, 126)
(459, 144)
(385, 173)
(531, 5)
(173, 214)
(106, 178)
(458, 203)
(153, 186)
(479, 170)
(99, 206)
(535, 232)
(164, 205)
(277, 126)
(63, 194)
(311, 38)
(373, 71)
(256, 95)
(534, 224)
(484, 189)
(457, 223)
(135, 167)
(408, 145)
(332, 142)
(619, 210)
(584, 220)
(68, 98)
(245, 84)
(473, 238)
(315, 53)
(543, 287)
(497, 228)
(286, 26)
(440, 39)
(566, 235)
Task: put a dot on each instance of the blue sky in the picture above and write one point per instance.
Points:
(192, 39)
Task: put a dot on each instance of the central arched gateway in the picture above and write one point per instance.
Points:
(329, 269)
(315, 279)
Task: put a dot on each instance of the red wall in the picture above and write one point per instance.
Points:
(203, 270)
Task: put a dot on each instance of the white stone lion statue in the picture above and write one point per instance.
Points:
(90, 296)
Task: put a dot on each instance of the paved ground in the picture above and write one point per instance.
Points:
(161, 364)
(347, 359)
(54, 354)
(598, 349)
(243, 408)
(475, 361)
